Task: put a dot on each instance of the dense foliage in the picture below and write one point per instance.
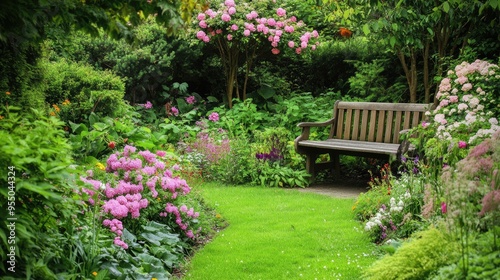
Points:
(102, 140)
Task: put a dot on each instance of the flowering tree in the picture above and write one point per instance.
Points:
(240, 29)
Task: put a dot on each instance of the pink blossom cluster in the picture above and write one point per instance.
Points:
(227, 22)
(190, 99)
(148, 105)
(463, 102)
(97, 185)
(125, 197)
(116, 227)
(176, 211)
(214, 116)
(121, 206)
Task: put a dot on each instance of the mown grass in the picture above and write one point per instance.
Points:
(281, 234)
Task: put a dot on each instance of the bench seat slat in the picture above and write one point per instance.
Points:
(350, 145)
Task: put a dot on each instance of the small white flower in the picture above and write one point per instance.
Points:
(401, 204)
(407, 195)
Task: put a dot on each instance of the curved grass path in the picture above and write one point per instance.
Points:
(281, 234)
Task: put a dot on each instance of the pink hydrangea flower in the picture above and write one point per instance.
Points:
(462, 144)
(214, 116)
(201, 34)
(190, 99)
(225, 17)
(175, 111)
(444, 103)
(467, 87)
(281, 12)
(161, 153)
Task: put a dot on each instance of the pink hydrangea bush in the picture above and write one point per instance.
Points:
(138, 187)
(467, 112)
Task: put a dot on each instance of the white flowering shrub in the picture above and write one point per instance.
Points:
(385, 224)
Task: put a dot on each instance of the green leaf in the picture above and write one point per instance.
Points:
(366, 29)
(392, 41)
(266, 91)
(152, 238)
(446, 7)
(77, 128)
(93, 118)
(145, 144)
(99, 126)
(212, 99)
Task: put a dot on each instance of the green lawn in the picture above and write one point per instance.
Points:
(281, 234)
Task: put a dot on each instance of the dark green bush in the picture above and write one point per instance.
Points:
(20, 76)
(87, 90)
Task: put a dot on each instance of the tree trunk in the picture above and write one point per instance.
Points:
(427, 85)
(229, 57)
(410, 72)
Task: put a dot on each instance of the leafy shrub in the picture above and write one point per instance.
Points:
(369, 83)
(101, 135)
(35, 156)
(484, 261)
(20, 76)
(272, 174)
(290, 110)
(367, 204)
(77, 90)
(417, 258)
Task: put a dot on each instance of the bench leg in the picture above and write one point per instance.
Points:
(335, 159)
(310, 163)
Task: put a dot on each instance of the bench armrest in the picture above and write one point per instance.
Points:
(306, 129)
(316, 124)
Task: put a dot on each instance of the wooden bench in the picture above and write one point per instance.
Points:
(366, 129)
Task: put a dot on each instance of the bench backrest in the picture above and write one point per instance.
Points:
(375, 121)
